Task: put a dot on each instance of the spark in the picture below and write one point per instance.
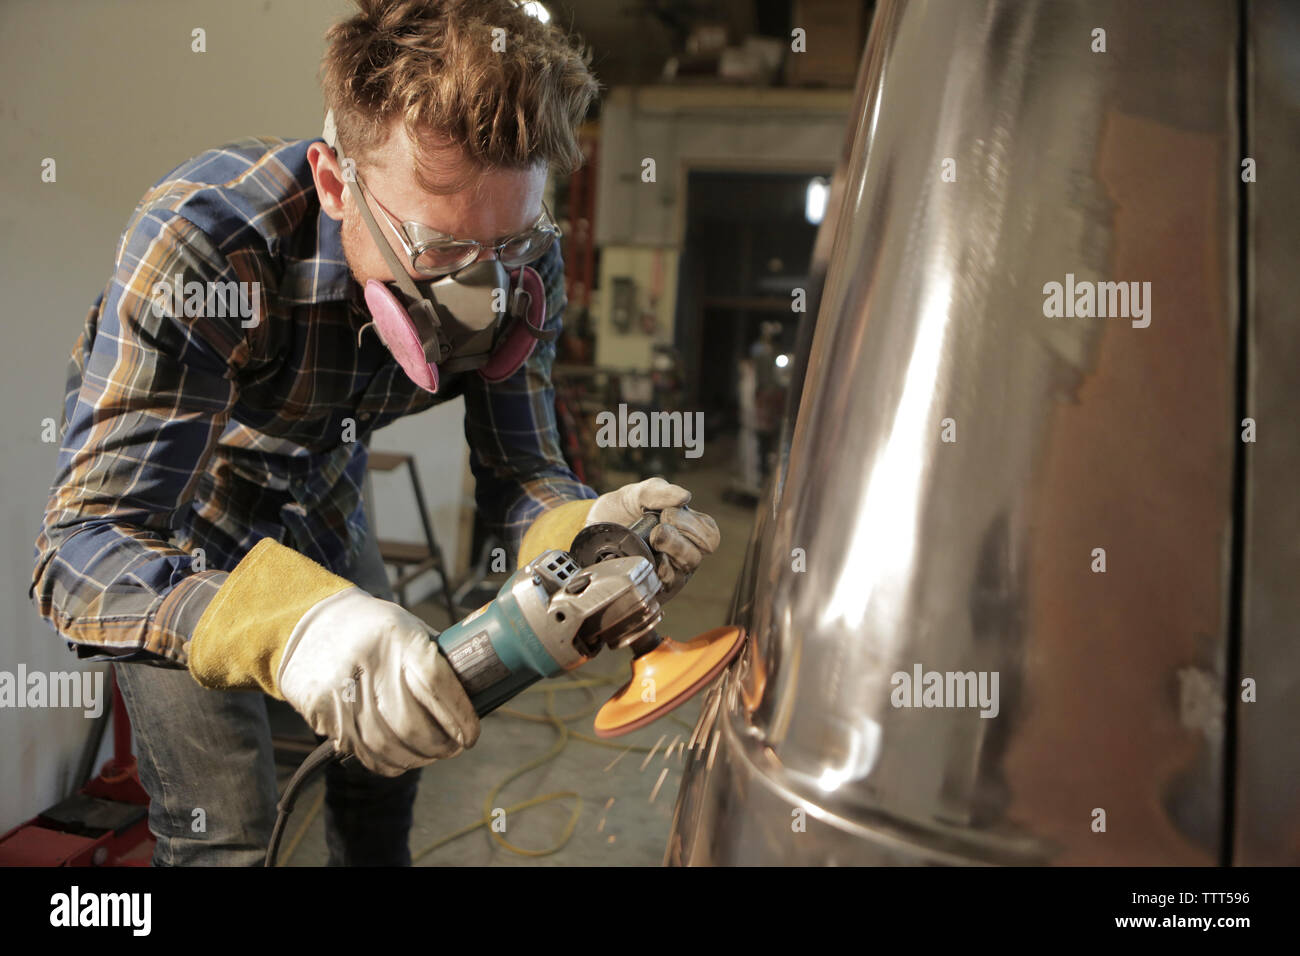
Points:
(650, 756)
(610, 766)
(658, 783)
(608, 803)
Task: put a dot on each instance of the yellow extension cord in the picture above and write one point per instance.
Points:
(560, 723)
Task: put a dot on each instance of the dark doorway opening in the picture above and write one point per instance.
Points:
(748, 247)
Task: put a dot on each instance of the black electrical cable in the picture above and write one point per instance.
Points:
(315, 761)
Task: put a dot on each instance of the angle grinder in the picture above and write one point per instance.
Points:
(563, 607)
(556, 613)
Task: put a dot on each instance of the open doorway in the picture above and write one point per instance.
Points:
(749, 239)
(747, 253)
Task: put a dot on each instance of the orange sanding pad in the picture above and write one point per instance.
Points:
(670, 675)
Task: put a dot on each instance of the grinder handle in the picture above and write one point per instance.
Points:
(644, 525)
(642, 528)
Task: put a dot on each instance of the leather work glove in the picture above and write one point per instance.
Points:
(363, 672)
(367, 674)
(682, 537)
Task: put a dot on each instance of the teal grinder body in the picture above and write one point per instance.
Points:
(549, 617)
(494, 651)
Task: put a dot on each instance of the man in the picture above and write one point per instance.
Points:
(206, 513)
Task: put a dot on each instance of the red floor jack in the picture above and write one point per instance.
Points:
(105, 823)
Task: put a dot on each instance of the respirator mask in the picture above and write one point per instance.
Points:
(486, 315)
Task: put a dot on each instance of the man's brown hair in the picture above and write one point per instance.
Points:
(433, 63)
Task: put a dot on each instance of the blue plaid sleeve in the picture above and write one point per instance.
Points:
(514, 444)
(156, 390)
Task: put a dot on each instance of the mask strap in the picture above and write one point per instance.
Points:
(542, 335)
(515, 293)
(402, 277)
(520, 316)
(400, 274)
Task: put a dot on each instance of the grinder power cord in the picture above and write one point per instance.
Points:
(555, 613)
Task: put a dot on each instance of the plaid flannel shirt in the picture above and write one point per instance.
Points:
(185, 430)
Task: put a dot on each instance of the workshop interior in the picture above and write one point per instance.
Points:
(970, 324)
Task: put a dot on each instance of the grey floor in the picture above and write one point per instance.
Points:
(608, 788)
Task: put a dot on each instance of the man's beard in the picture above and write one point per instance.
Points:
(349, 236)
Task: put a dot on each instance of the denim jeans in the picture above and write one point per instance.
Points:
(206, 761)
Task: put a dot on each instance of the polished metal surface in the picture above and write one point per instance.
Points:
(962, 462)
(1267, 816)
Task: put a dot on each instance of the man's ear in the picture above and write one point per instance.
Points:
(330, 184)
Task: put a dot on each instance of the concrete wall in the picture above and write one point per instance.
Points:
(114, 93)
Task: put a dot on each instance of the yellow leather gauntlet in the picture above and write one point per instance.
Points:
(555, 528)
(239, 640)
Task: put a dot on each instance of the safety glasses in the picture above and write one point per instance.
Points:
(434, 253)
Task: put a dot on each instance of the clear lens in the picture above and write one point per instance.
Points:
(526, 249)
(444, 257)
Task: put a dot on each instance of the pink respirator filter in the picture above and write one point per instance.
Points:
(398, 332)
(518, 344)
